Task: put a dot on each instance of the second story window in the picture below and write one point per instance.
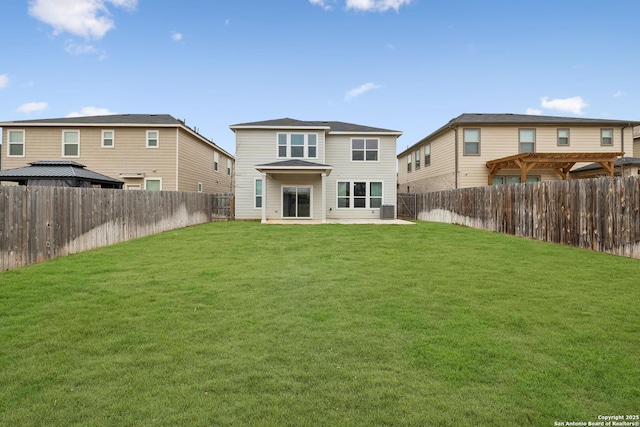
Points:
(297, 145)
(216, 161)
(408, 162)
(606, 136)
(229, 166)
(107, 139)
(71, 143)
(417, 159)
(563, 137)
(527, 140)
(364, 150)
(427, 154)
(16, 143)
(153, 139)
(471, 142)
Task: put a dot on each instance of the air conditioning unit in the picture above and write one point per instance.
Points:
(387, 212)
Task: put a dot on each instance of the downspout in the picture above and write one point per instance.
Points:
(455, 132)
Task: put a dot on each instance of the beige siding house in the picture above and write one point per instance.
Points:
(146, 151)
(457, 154)
(314, 171)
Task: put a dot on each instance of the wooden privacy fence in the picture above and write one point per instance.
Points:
(600, 214)
(41, 223)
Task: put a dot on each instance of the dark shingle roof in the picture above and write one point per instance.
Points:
(622, 161)
(333, 126)
(133, 119)
(55, 169)
(293, 164)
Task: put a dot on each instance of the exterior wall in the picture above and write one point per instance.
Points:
(339, 156)
(439, 175)
(274, 193)
(636, 147)
(195, 165)
(129, 154)
(498, 141)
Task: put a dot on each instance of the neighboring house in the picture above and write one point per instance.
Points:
(480, 149)
(624, 166)
(289, 169)
(145, 151)
(58, 173)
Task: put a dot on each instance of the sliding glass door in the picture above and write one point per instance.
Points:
(296, 202)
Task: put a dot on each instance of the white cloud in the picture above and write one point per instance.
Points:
(91, 111)
(534, 112)
(86, 18)
(31, 107)
(376, 5)
(364, 5)
(360, 90)
(175, 36)
(4, 80)
(619, 94)
(79, 49)
(574, 105)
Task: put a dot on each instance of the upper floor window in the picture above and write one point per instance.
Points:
(527, 140)
(364, 150)
(427, 154)
(229, 166)
(298, 145)
(108, 139)
(417, 159)
(16, 143)
(153, 139)
(563, 137)
(472, 142)
(216, 160)
(71, 143)
(409, 162)
(606, 136)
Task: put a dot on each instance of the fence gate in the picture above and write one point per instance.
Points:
(406, 206)
(223, 207)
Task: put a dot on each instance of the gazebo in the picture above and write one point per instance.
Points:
(58, 173)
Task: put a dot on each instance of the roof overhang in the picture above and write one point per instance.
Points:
(295, 167)
(560, 162)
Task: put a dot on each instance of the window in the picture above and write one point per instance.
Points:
(199, 187)
(108, 138)
(153, 184)
(216, 160)
(153, 140)
(71, 143)
(298, 145)
(527, 140)
(417, 159)
(408, 162)
(132, 187)
(563, 137)
(472, 142)
(606, 136)
(364, 150)
(499, 180)
(359, 195)
(427, 154)
(229, 166)
(258, 193)
(16, 143)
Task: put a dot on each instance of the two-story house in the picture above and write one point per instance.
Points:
(481, 149)
(289, 169)
(145, 151)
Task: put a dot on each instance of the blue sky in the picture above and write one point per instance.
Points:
(408, 65)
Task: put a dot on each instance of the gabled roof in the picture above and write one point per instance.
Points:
(622, 161)
(329, 126)
(111, 119)
(56, 169)
(478, 119)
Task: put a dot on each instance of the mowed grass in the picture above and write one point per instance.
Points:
(245, 324)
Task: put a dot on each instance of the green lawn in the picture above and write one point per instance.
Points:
(243, 324)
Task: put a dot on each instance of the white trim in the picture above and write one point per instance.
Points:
(199, 187)
(255, 180)
(152, 179)
(132, 187)
(157, 139)
(282, 187)
(113, 138)
(24, 145)
(63, 143)
(216, 161)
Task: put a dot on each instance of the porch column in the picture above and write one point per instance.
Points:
(324, 198)
(264, 198)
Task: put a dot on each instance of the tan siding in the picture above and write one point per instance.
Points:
(128, 155)
(195, 164)
(438, 175)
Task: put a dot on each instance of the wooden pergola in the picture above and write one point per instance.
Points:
(560, 162)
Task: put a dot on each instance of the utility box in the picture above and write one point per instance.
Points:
(387, 212)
